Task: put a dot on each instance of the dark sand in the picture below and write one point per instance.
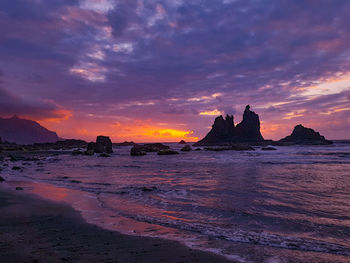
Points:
(37, 230)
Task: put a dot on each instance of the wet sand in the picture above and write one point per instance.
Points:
(37, 230)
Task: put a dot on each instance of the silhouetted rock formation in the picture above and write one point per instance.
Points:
(103, 145)
(303, 135)
(154, 147)
(91, 147)
(249, 128)
(225, 132)
(23, 131)
(137, 150)
(182, 142)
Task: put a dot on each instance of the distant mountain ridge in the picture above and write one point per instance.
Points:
(22, 131)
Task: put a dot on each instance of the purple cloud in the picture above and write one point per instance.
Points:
(173, 60)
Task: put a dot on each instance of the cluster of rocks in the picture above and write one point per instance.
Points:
(225, 133)
(17, 160)
(9, 146)
(64, 145)
(159, 148)
(103, 146)
(59, 145)
(143, 149)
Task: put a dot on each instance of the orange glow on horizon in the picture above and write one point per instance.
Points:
(136, 130)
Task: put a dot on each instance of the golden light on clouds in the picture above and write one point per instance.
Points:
(89, 71)
(294, 114)
(211, 113)
(337, 84)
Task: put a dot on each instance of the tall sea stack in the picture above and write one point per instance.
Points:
(249, 128)
(222, 129)
(225, 132)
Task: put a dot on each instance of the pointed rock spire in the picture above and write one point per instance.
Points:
(224, 131)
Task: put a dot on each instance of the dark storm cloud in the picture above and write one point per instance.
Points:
(122, 15)
(11, 104)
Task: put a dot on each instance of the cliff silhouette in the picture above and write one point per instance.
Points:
(22, 131)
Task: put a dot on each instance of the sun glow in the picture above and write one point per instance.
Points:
(126, 130)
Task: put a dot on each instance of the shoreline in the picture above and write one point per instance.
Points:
(33, 229)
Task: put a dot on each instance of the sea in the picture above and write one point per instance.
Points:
(287, 205)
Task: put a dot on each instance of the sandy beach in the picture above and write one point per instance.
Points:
(37, 230)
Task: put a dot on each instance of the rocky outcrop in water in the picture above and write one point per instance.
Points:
(103, 145)
(306, 136)
(154, 147)
(224, 131)
(91, 147)
(139, 150)
(182, 142)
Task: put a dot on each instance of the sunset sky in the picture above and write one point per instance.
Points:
(148, 70)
